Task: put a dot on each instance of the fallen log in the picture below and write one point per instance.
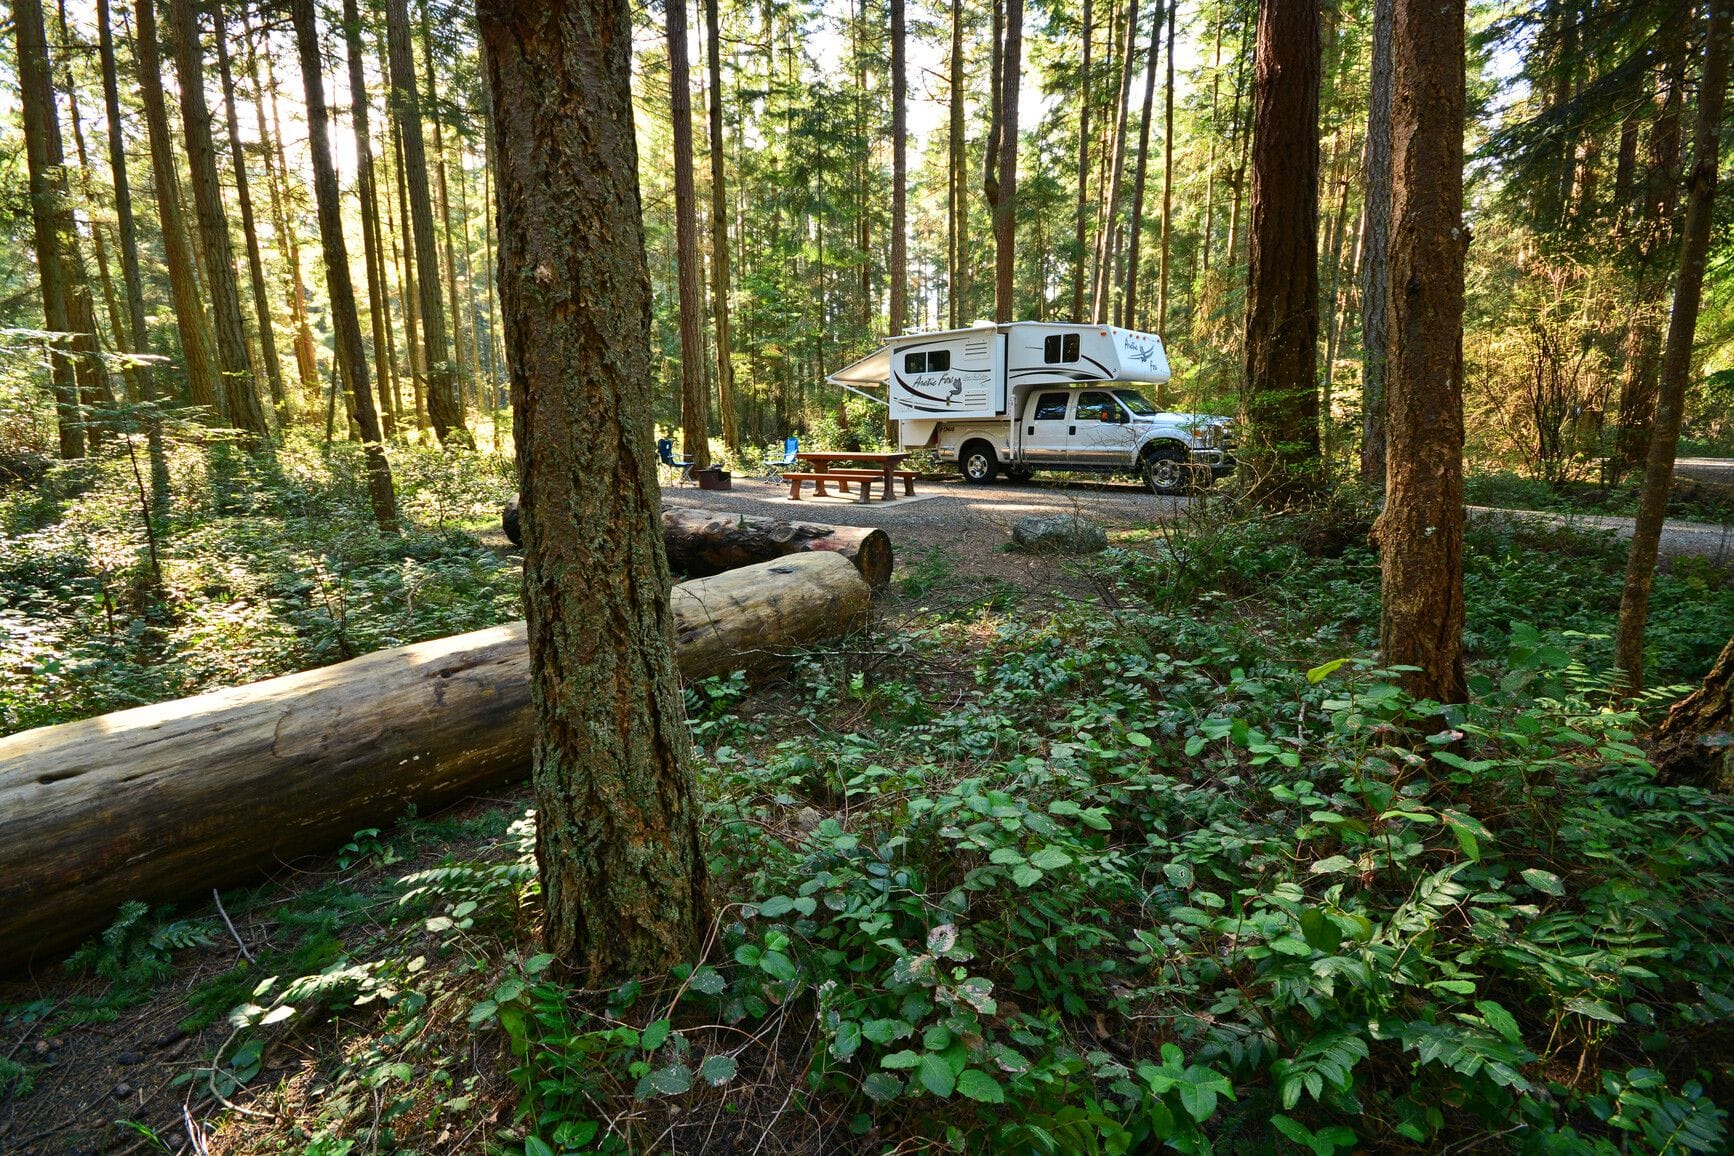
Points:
(705, 542)
(167, 800)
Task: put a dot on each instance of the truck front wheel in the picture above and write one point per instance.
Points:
(1167, 469)
(977, 463)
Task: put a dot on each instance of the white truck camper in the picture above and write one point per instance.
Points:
(1027, 395)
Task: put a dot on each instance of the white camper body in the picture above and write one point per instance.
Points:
(1028, 395)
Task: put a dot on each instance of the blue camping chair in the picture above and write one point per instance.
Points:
(681, 466)
(774, 466)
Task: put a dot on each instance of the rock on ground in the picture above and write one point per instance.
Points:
(1060, 535)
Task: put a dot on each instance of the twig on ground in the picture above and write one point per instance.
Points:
(218, 900)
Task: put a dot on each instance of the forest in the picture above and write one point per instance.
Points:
(399, 754)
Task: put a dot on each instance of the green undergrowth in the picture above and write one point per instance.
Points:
(268, 566)
(1511, 491)
(1176, 865)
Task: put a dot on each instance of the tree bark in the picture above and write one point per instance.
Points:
(957, 187)
(1083, 211)
(1279, 393)
(899, 273)
(1375, 244)
(443, 405)
(49, 209)
(719, 237)
(1005, 214)
(1138, 179)
(1111, 195)
(143, 804)
(373, 252)
(142, 377)
(460, 371)
(1677, 358)
(622, 866)
(351, 357)
(249, 230)
(694, 393)
(1695, 743)
(1167, 174)
(1420, 532)
(234, 360)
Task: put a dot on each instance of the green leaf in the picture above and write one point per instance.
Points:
(537, 964)
(536, 1146)
(1320, 931)
(1025, 875)
(978, 1085)
(1137, 739)
(673, 1080)
(708, 981)
(848, 1039)
(777, 965)
(1595, 1009)
(776, 905)
(655, 1035)
(897, 1061)
(717, 1069)
(1050, 859)
(936, 1075)
(1545, 881)
(1499, 1020)
(882, 1086)
(1336, 864)
(1195, 745)
(884, 1031)
(1005, 856)
(1323, 671)
(1179, 875)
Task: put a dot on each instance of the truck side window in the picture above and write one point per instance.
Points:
(938, 360)
(1050, 407)
(1095, 406)
(915, 363)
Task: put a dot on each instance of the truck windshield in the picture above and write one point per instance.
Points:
(1134, 401)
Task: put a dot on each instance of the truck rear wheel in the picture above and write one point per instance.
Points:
(977, 463)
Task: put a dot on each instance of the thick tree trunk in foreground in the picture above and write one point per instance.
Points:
(957, 184)
(351, 358)
(1677, 360)
(1420, 532)
(1695, 743)
(622, 866)
(234, 361)
(1278, 395)
(172, 799)
(1005, 207)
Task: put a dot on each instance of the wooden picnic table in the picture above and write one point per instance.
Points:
(821, 461)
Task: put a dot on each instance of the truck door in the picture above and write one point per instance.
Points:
(1046, 427)
(1104, 435)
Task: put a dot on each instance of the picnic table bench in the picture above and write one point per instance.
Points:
(863, 468)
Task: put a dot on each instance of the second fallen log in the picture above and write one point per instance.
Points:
(705, 542)
(162, 801)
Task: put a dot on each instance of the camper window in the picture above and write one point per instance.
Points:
(915, 363)
(1060, 347)
(933, 361)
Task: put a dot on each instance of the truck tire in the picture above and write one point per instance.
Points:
(977, 463)
(1167, 469)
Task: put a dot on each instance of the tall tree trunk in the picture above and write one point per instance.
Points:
(1420, 533)
(48, 205)
(1334, 263)
(1204, 241)
(409, 294)
(234, 360)
(1677, 359)
(443, 404)
(1143, 165)
(694, 394)
(139, 335)
(277, 179)
(374, 254)
(195, 336)
(957, 187)
(1110, 224)
(1005, 211)
(249, 231)
(1242, 141)
(1167, 173)
(346, 323)
(899, 189)
(621, 862)
(719, 236)
(1375, 244)
(1083, 213)
(1279, 395)
(460, 371)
